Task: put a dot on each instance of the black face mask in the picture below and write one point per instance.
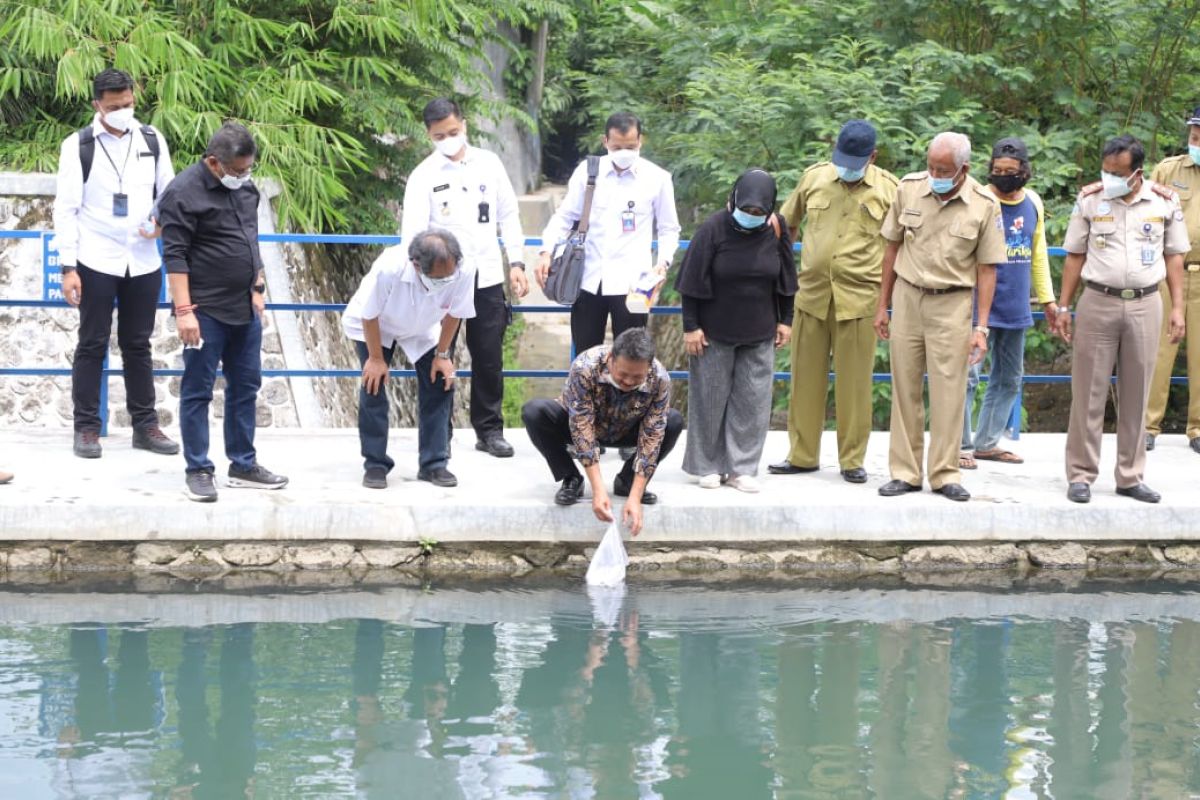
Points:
(1007, 183)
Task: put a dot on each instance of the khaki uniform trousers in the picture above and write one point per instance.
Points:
(930, 333)
(1165, 364)
(1111, 332)
(852, 343)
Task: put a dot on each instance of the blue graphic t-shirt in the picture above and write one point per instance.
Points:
(1010, 307)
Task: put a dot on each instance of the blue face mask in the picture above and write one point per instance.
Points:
(1194, 152)
(850, 175)
(942, 185)
(749, 221)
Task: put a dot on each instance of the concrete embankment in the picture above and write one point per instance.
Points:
(127, 511)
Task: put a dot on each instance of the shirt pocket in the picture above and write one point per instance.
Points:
(141, 172)
(868, 217)
(911, 222)
(1103, 228)
(964, 238)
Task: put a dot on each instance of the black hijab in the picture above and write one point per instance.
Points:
(755, 188)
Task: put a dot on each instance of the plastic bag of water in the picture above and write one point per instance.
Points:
(608, 563)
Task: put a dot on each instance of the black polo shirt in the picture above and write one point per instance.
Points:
(210, 233)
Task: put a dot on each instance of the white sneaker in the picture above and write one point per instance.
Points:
(712, 481)
(745, 483)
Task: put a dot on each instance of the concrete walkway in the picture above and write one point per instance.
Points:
(132, 495)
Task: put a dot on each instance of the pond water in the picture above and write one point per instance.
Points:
(661, 691)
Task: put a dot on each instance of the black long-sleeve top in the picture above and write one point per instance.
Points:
(737, 285)
(211, 233)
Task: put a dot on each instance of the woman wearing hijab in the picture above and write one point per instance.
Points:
(737, 280)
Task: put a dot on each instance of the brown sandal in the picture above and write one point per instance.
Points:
(1003, 456)
(966, 460)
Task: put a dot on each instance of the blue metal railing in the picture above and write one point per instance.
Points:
(386, 240)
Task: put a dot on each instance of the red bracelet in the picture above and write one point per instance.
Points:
(183, 311)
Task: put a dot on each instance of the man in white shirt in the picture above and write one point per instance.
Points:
(109, 176)
(465, 190)
(633, 199)
(414, 296)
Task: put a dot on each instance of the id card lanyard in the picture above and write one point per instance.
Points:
(120, 207)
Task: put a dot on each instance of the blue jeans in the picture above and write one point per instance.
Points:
(1006, 349)
(238, 348)
(434, 406)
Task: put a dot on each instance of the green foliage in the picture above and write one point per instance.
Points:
(331, 89)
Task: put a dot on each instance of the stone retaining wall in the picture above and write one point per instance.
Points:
(358, 560)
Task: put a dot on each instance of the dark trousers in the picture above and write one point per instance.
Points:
(238, 349)
(485, 343)
(434, 405)
(590, 315)
(549, 428)
(137, 300)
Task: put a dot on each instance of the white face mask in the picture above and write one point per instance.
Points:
(435, 284)
(121, 119)
(451, 145)
(1114, 185)
(624, 159)
(232, 183)
(641, 387)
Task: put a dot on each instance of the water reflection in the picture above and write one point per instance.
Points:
(548, 699)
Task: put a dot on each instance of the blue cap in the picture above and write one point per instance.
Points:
(855, 144)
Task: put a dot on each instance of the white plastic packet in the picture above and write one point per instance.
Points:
(607, 602)
(608, 563)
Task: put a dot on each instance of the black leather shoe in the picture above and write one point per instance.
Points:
(1194, 444)
(897, 487)
(438, 476)
(788, 468)
(1149, 442)
(570, 492)
(855, 475)
(1140, 492)
(154, 440)
(621, 489)
(375, 478)
(1079, 493)
(953, 491)
(495, 446)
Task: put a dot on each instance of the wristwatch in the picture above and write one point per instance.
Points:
(981, 329)
(261, 288)
(517, 265)
(442, 354)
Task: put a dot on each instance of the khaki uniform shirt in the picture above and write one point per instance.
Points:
(1181, 175)
(942, 244)
(843, 251)
(1125, 242)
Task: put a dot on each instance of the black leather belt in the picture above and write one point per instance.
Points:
(1124, 294)
(947, 290)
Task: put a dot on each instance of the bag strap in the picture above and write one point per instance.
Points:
(593, 170)
(151, 137)
(87, 150)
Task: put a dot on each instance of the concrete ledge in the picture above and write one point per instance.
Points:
(133, 496)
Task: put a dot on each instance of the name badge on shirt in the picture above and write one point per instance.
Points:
(1149, 255)
(628, 222)
(120, 205)
(441, 188)
(484, 212)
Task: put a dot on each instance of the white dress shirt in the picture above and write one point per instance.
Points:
(446, 195)
(614, 257)
(83, 219)
(409, 314)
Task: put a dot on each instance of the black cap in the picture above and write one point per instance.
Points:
(855, 144)
(1194, 117)
(1011, 147)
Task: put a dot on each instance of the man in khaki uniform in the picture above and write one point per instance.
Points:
(842, 205)
(945, 236)
(1181, 174)
(1124, 237)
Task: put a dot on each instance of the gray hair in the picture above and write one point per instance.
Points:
(634, 344)
(959, 143)
(431, 247)
(231, 141)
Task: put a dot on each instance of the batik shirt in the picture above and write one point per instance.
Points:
(601, 413)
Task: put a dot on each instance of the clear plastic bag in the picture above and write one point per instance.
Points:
(608, 563)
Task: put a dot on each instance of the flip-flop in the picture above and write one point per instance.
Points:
(1003, 456)
(966, 460)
